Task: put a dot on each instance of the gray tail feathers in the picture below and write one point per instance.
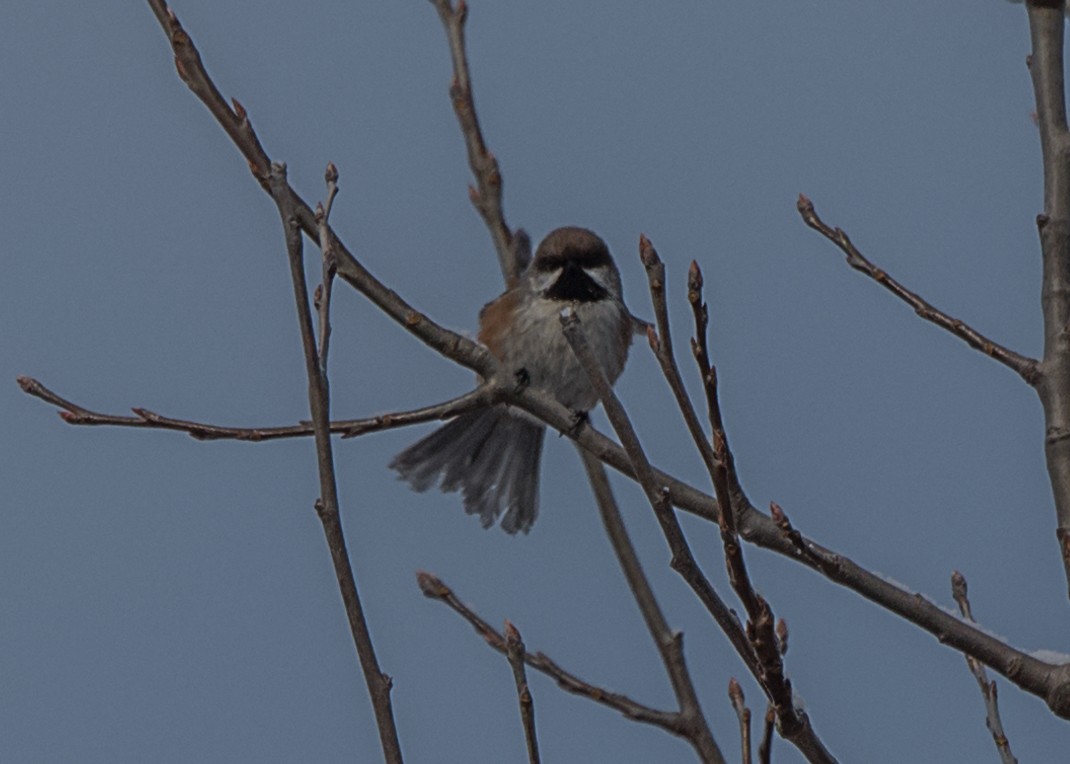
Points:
(491, 456)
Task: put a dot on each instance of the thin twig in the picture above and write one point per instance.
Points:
(515, 652)
(73, 413)
(719, 463)
(735, 694)
(1026, 368)
(794, 723)
(486, 195)
(378, 683)
(435, 589)
(988, 688)
(484, 395)
(661, 344)
(330, 263)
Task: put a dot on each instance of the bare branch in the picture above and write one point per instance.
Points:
(988, 688)
(378, 683)
(659, 496)
(765, 748)
(827, 564)
(760, 650)
(735, 694)
(73, 413)
(484, 395)
(768, 649)
(235, 122)
(661, 344)
(433, 587)
(330, 264)
(231, 117)
(1025, 367)
(514, 651)
(658, 493)
(668, 642)
(1049, 682)
(1046, 28)
(486, 196)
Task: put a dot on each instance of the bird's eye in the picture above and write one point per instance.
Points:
(548, 264)
(585, 257)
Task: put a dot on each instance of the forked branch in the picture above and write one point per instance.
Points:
(378, 683)
(433, 588)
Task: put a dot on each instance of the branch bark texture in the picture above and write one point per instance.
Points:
(1047, 29)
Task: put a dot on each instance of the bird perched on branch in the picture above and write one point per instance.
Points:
(492, 454)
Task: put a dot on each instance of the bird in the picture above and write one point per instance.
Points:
(492, 454)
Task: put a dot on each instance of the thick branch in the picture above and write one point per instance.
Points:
(1025, 367)
(1046, 27)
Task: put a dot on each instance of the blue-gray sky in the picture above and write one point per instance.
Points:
(172, 601)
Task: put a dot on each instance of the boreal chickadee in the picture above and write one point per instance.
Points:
(492, 455)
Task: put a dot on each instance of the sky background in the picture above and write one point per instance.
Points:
(172, 601)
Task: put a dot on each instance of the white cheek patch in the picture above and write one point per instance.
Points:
(543, 280)
(600, 275)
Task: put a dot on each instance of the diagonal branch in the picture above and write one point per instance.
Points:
(433, 588)
(683, 561)
(988, 688)
(1025, 367)
(378, 683)
(668, 642)
(486, 196)
(235, 122)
